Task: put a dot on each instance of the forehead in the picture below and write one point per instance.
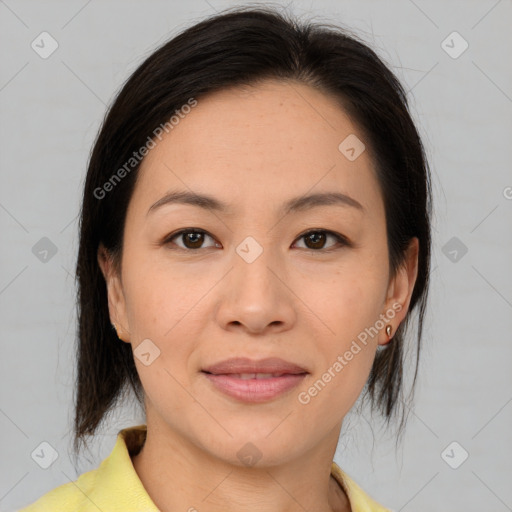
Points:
(257, 144)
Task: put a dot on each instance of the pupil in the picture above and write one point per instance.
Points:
(314, 236)
(191, 237)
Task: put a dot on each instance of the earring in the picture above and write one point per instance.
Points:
(389, 330)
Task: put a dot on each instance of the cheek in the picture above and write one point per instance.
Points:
(344, 369)
(159, 294)
(353, 298)
(350, 306)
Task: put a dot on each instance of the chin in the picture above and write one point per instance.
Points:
(256, 445)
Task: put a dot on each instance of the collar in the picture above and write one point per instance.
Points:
(117, 474)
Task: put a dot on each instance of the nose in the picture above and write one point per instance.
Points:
(256, 297)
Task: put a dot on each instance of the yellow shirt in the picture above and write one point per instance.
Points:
(115, 486)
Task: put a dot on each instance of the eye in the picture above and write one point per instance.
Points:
(193, 239)
(315, 240)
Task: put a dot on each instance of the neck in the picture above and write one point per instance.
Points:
(181, 476)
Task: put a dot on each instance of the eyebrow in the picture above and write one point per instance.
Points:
(296, 204)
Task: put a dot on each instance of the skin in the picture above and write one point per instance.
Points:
(253, 148)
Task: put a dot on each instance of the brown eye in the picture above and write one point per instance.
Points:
(315, 240)
(193, 239)
(190, 238)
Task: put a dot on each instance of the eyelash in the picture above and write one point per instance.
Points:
(343, 241)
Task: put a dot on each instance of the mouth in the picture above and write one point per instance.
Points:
(248, 376)
(274, 366)
(254, 381)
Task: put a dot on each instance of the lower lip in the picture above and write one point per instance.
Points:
(255, 390)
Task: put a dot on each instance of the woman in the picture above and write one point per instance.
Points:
(256, 227)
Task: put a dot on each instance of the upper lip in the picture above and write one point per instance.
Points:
(246, 365)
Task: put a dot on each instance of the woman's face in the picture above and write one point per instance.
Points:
(253, 284)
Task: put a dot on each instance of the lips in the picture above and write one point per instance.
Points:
(242, 367)
(252, 381)
(247, 376)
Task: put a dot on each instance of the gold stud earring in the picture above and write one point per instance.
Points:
(389, 330)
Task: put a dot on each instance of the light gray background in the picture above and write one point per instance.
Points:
(51, 110)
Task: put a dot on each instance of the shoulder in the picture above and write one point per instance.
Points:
(114, 486)
(69, 496)
(360, 501)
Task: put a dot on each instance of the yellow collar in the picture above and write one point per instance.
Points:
(115, 486)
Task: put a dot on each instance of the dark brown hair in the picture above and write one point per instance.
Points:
(240, 47)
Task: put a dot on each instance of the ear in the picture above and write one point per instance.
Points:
(400, 290)
(116, 300)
